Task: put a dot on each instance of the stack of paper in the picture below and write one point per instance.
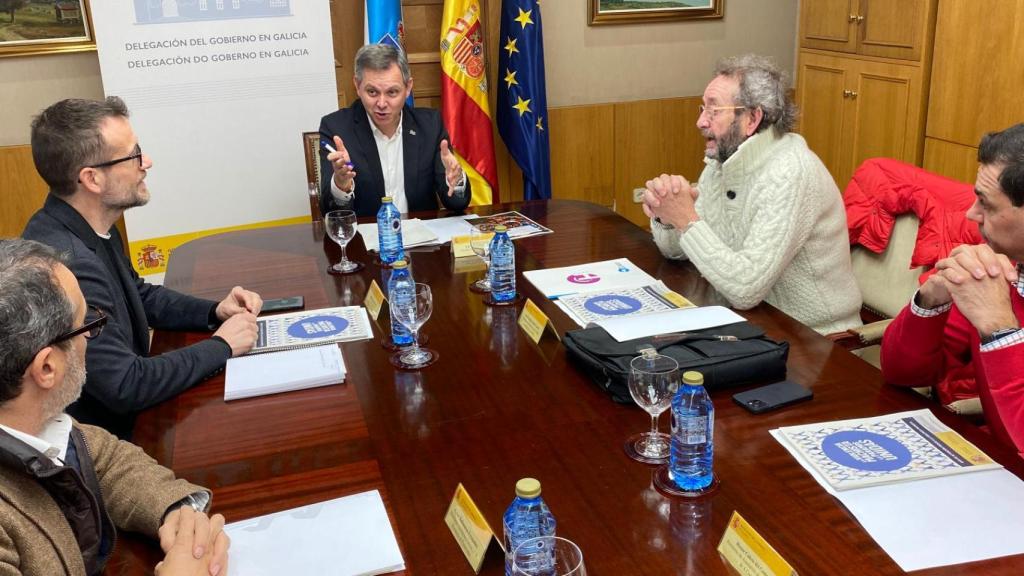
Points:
(607, 275)
(349, 536)
(591, 307)
(298, 369)
(414, 233)
(903, 477)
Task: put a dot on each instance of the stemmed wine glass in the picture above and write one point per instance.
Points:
(548, 556)
(653, 380)
(480, 242)
(341, 227)
(412, 311)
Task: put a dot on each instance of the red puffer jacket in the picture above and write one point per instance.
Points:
(882, 189)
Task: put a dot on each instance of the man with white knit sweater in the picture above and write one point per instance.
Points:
(765, 221)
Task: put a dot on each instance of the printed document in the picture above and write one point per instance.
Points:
(261, 374)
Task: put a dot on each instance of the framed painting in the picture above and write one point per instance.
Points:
(45, 27)
(637, 11)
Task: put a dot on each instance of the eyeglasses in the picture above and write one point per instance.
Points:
(135, 155)
(713, 110)
(95, 319)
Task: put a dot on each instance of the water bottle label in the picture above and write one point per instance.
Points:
(693, 430)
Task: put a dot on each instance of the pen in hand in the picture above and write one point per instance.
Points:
(333, 151)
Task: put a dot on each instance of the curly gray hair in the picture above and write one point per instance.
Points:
(762, 85)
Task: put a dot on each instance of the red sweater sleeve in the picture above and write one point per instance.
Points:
(1004, 374)
(919, 351)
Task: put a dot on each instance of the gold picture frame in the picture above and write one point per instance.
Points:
(637, 11)
(50, 27)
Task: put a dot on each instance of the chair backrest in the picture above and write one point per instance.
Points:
(886, 281)
(311, 151)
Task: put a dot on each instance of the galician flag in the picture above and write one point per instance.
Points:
(384, 25)
(464, 94)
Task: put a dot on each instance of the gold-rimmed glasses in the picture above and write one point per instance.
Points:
(713, 111)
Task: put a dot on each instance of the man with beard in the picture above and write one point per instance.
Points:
(65, 486)
(765, 221)
(88, 154)
(969, 312)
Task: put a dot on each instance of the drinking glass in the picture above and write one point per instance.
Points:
(412, 315)
(548, 556)
(653, 380)
(480, 242)
(341, 227)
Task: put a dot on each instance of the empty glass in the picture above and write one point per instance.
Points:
(548, 556)
(341, 227)
(480, 242)
(653, 381)
(412, 315)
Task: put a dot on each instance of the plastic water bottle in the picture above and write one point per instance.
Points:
(389, 232)
(503, 266)
(527, 517)
(401, 290)
(693, 426)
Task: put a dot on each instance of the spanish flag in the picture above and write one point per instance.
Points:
(464, 94)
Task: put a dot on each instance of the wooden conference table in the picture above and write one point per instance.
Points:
(496, 408)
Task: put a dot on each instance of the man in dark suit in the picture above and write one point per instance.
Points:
(88, 154)
(382, 147)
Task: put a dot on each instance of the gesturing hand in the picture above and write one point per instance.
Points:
(452, 169)
(340, 160)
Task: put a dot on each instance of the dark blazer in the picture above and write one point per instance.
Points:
(122, 380)
(422, 132)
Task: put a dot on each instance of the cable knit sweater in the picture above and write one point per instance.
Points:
(772, 227)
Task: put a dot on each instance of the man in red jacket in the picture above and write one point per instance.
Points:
(970, 311)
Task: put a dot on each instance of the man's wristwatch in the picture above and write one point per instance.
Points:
(997, 335)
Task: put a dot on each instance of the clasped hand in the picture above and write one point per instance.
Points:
(671, 199)
(238, 311)
(974, 278)
(194, 544)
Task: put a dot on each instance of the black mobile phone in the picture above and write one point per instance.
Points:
(282, 304)
(772, 396)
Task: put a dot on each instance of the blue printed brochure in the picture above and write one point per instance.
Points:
(883, 449)
(311, 328)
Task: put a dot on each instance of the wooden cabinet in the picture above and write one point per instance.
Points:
(854, 109)
(862, 77)
(881, 28)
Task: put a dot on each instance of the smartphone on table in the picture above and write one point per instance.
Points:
(772, 396)
(282, 304)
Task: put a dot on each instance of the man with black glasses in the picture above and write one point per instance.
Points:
(64, 487)
(89, 156)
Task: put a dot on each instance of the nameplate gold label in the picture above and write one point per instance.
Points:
(471, 531)
(534, 322)
(748, 553)
(374, 299)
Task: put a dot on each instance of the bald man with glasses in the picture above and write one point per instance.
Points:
(88, 154)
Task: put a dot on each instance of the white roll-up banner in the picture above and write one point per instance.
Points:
(219, 93)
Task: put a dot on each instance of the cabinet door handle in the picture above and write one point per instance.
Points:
(860, 19)
(852, 18)
(853, 94)
(847, 93)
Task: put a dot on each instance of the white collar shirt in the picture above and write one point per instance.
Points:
(52, 441)
(392, 163)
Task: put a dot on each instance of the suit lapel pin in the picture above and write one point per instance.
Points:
(412, 132)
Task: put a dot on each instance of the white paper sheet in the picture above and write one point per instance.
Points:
(682, 320)
(349, 536)
(938, 521)
(445, 228)
(414, 233)
(299, 369)
(605, 275)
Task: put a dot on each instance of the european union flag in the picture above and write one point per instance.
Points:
(522, 97)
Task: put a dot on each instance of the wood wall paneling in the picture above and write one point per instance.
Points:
(583, 153)
(950, 159)
(653, 137)
(819, 95)
(976, 83)
(23, 189)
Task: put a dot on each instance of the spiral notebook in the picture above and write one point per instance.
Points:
(311, 328)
